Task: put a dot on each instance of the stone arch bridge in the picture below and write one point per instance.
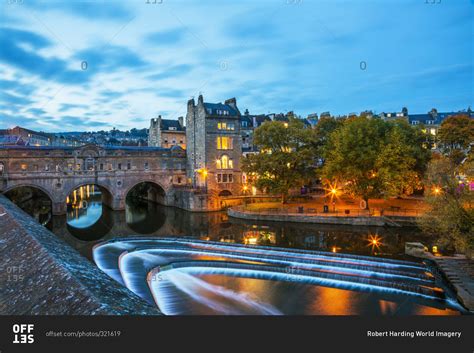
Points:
(57, 171)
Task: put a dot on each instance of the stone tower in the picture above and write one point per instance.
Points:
(214, 146)
(154, 134)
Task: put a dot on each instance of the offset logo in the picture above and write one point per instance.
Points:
(23, 333)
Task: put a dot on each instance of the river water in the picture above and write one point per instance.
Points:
(200, 292)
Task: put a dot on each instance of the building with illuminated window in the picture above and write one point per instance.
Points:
(214, 146)
(167, 133)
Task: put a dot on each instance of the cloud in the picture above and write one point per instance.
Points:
(79, 121)
(69, 106)
(169, 37)
(109, 58)
(11, 99)
(173, 71)
(36, 111)
(103, 10)
(14, 53)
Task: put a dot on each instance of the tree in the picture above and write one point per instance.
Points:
(455, 134)
(321, 133)
(372, 158)
(450, 216)
(286, 157)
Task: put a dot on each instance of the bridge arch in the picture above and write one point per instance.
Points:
(30, 185)
(38, 205)
(107, 194)
(147, 189)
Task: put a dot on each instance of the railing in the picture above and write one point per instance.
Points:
(331, 212)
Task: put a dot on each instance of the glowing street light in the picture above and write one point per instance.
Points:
(374, 242)
(436, 190)
(332, 190)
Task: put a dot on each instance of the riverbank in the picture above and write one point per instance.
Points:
(311, 215)
(459, 271)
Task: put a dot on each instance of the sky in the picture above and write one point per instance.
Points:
(94, 65)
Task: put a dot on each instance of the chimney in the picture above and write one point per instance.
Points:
(158, 121)
(181, 121)
(200, 99)
(232, 102)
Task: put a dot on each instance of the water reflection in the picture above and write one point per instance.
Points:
(84, 206)
(147, 218)
(219, 294)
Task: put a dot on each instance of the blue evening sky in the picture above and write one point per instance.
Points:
(91, 65)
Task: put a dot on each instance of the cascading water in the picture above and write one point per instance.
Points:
(177, 274)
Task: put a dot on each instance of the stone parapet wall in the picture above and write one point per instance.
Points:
(42, 275)
(289, 217)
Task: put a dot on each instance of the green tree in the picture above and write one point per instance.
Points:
(321, 133)
(450, 216)
(455, 134)
(371, 158)
(286, 157)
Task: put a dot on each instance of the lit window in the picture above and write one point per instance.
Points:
(224, 143)
(433, 131)
(225, 163)
(2, 167)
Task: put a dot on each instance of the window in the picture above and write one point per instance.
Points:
(146, 166)
(224, 143)
(101, 166)
(415, 122)
(225, 178)
(224, 163)
(119, 166)
(2, 168)
(225, 126)
(244, 123)
(129, 165)
(78, 166)
(46, 167)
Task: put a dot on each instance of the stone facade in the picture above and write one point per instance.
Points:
(214, 147)
(167, 133)
(116, 170)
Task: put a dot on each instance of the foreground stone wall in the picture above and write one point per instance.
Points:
(42, 275)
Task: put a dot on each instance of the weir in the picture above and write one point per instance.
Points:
(140, 263)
